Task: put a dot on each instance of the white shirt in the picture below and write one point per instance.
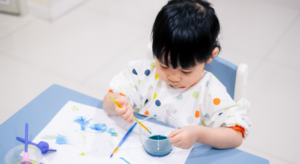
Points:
(205, 103)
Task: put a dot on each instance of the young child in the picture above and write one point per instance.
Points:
(175, 83)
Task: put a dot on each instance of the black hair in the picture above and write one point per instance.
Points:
(186, 30)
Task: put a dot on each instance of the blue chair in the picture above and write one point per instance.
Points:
(233, 77)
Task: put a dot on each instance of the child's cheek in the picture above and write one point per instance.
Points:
(163, 78)
(162, 75)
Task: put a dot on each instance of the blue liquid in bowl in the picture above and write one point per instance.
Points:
(158, 146)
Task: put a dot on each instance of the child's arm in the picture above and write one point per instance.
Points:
(221, 138)
(224, 123)
(112, 109)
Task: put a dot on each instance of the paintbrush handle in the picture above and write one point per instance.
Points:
(123, 139)
(127, 134)
(135, 119)
(116, 102)
(144, 127)
(141, 124)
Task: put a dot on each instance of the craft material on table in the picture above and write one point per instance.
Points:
(158, 144)
(96, 142)
(124, 160)
(141, 124)
(164, 146)
(25, 159)
(120, 106)
(43, 146)
(15, 155)
(124, 138)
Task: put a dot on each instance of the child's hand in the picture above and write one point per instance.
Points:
(184, 138)
(126, 112)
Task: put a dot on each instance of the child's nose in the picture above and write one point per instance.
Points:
(173, 78)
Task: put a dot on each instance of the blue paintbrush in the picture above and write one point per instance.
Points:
(124, 138)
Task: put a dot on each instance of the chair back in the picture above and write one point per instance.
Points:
(225, 72)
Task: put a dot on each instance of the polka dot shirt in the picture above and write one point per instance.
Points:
(205, 103)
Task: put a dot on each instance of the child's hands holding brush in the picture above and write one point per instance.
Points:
(125, 111)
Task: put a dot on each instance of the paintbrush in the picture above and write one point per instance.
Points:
(120, 106)
(124, 138)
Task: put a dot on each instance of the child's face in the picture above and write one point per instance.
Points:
(179, 78)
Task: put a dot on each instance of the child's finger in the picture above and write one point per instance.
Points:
(174, 133)
(130, 118)
(132, 121)
(126, 115)
(177, 144)
(175, 139)
(120, 111)
(129, 107)
(121, 100)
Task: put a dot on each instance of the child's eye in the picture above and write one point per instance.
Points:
(164, 67)
(186, 72)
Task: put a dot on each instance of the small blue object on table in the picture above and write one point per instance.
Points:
(40, 111)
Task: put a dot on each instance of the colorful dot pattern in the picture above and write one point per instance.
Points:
(217, 101)
(157, 103)
(134, 72)
(197, 114)
(195, 94)
(179, 97)
(136, 88)
(154, 96)
(206, 115)
(147, 72)
(223, 125)
(152, 64)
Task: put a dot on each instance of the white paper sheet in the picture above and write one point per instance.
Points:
(90, 146)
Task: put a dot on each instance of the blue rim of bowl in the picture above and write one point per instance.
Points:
(148, 117)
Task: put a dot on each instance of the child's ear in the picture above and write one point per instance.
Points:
(213, 54)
